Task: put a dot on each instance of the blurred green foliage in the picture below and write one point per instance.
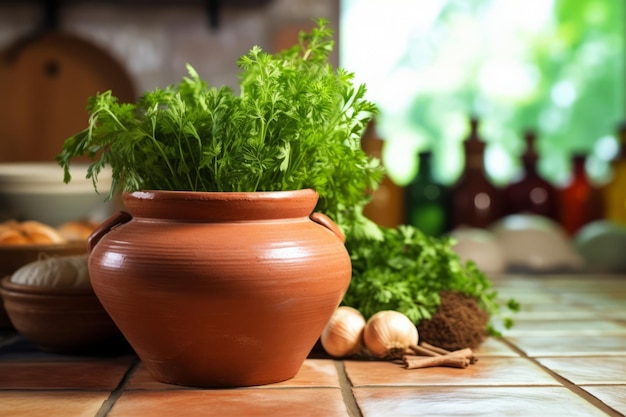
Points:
(556, 66)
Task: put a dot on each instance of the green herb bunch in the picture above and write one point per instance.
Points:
(296, 123)
(407, 270)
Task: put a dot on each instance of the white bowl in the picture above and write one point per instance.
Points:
(481, 247)
(602, 244)
(36, 191)
(535, 243)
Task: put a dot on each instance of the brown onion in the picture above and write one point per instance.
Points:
(389, 334)
(343, 334)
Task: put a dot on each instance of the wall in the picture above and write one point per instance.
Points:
(152, 41)
(155, 42)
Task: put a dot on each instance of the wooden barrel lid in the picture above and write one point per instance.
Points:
(44, 86)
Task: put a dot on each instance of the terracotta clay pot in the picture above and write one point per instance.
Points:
(220, 289)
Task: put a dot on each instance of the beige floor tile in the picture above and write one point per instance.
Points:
(531, 298)
(487, 371)
(96, 375)
(141, 379)
(313, 373)
(296, 402)
(548, 312)
(613, 308)
(470, 402)
(589, 370)
(583, 283)
(566, 326)
(570, 345)
(612, 395)
(495, 346)
(51, 403)
(595, 295)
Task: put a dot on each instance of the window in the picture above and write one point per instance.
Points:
(553, 65)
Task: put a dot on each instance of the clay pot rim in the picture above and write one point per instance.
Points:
(194, 206)
(220, 195)
(38, 290)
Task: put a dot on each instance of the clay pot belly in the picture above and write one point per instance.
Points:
(221, 303)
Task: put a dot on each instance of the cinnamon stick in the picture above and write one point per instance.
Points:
(465, 353)
(425, 355)
(417, 362)
(436, 349)
(425, 347)
(421, 350)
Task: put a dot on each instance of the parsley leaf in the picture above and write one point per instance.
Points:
(406, 271)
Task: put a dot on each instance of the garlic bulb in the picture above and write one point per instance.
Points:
(343, 334)
(389, 334)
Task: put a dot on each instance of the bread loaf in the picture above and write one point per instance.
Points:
(77, 230)
(28, 232)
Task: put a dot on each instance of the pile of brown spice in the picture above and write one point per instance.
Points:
(459, 323)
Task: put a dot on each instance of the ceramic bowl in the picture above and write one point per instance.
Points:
(533, 243)
(601, 244)
(60, 320)
(481, 247)
(13, 257)
(36, 191)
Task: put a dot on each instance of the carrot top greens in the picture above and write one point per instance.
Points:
(295, 123)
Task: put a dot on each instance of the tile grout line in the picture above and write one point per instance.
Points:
(346, 390)
(108, 404)
(566, 383)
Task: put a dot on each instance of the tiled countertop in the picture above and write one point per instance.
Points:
(566, 356)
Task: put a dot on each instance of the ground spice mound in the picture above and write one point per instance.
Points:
(458, 323)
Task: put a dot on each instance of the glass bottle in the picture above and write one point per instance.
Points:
(615, 190)
(427, 200)
(476, 202)
(531, 193)
(580, 200)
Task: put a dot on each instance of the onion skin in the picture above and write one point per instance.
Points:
(343, 334)
(388, 334)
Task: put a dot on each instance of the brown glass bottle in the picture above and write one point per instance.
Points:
(386, 208)
(476, 202)
(580, 200)
(531, 193)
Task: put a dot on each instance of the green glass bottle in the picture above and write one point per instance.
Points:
(428, 201)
